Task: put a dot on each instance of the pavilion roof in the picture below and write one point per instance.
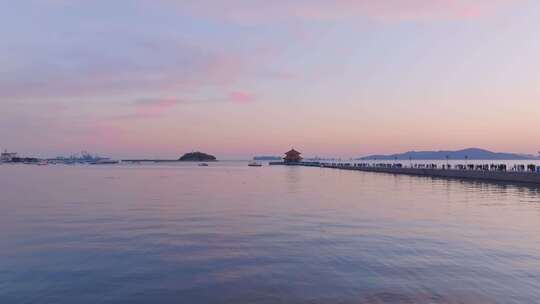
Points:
(293, 151)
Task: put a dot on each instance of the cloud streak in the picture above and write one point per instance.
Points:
(94, 73)
(260, 11)
(147, 108)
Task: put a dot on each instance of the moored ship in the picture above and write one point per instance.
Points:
(254, 164)
(7, 157)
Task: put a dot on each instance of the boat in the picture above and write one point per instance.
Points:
(254, 164)
(43, 162)
(203, 165)
(6, 157)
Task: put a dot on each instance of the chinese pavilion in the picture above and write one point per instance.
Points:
(292, 156)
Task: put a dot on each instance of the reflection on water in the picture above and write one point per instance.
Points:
(233, 234)
(293, 179)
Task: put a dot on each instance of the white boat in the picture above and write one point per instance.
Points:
(203, 165)
(254, 164)
(43, 162)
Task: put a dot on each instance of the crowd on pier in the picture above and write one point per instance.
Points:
(531, 168)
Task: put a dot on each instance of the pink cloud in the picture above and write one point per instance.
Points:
(241, 97)
(402, 10)
(145, 108)
(261, 11)
(160, 104)
(152, 108)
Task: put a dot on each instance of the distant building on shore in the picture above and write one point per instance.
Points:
(292, 156)
(7, 157)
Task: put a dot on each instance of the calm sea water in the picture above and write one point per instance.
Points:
(229, 233)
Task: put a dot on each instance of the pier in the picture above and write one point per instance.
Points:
(497, 173)
(477, 174)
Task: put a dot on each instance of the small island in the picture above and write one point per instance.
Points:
(197, 157)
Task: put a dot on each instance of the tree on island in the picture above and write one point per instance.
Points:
(197, 156)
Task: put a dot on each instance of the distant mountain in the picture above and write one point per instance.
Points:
(197, 156)
(471, 153)
(267, 158)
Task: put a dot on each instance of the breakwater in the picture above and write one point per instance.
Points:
(498, 175)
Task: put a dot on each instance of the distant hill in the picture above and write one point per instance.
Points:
(267, 158)
(197, 156)
(471, 153)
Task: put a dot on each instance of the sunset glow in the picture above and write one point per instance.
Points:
(240, 78)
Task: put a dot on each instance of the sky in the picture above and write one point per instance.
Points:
(238, 78)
